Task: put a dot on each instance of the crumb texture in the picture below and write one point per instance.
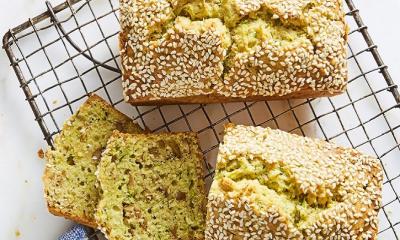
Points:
(69, 179)
(152, 187)
(270, 184)
(231, 48)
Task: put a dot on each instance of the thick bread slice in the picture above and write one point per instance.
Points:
(152, 187)
(270, 184)
(69, 178)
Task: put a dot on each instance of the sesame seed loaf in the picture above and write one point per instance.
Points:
(69, 178)
(204, 51)
(270, 184)
(152, 187)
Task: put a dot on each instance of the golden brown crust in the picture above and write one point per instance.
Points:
(345, 185)
(200, 174)
(212, 98)
(224, 221)
(80, 220)
(270, 224)
(90, 222)
(307, 60)
(95, 98)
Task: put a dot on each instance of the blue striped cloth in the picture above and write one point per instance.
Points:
(77, 232)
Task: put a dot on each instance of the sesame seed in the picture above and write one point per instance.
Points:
(272, 68)
(350, 212)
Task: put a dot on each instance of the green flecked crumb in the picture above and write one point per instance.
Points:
(222, 9)
(246, 31)
(274, 185)
(17, 233)
(252, 33)
(152, 188)
(69, 178)
(240, 32)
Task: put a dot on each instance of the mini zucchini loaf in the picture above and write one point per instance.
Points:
(203, 51)
(69, 178)
(152, 187)
(270, 184)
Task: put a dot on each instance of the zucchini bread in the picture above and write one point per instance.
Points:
(69, 178)
(152, 187)
(203, 51)
(270, 184)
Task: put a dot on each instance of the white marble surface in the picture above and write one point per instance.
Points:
(22, 208)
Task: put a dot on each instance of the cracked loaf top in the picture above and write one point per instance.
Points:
(270, 184)
(180, 51)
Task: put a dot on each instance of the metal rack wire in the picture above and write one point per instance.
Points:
(70, 51)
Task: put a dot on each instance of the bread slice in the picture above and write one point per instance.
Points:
(69, 178)
(207, 51)
(152, 187)
(270, 184)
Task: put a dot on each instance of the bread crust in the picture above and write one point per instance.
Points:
(60, 213)
(80, 220)
(235, 211)
(95, 98)
(312, 65)
(212, 98)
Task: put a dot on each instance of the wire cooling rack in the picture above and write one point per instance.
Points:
(71, 50)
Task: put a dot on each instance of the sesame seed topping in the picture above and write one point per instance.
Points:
(340, 188)
(204, 51)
